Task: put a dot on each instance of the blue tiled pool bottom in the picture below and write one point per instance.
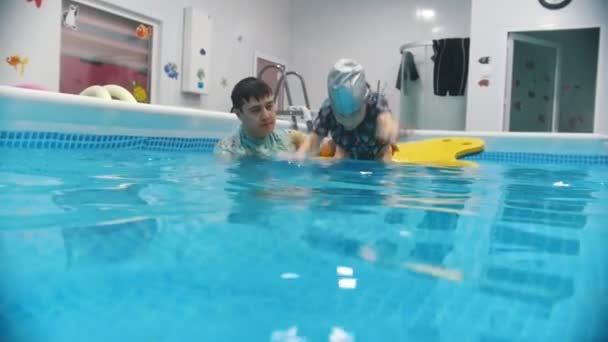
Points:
(63, 141)
(102, 245)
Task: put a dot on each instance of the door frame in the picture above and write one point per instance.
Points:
(260, 55)
(521, 36)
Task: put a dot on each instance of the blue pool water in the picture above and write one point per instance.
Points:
(148, 246)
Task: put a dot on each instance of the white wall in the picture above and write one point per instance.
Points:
(264, 25)
(369, 31)
(490, 22)
(33, 33)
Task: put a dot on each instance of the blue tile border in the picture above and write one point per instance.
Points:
(539, 158)
(70, 141)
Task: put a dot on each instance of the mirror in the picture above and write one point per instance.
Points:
(551, 81)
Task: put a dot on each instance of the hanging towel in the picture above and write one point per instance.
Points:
(410, 73)
(450, 73)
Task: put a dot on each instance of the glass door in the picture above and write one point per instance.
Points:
(532, 84)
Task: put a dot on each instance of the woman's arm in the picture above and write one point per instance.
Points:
(387, 128)
(387, 132)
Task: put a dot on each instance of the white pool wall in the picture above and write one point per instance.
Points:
(32, 110)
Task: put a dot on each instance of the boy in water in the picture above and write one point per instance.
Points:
(359, 121)
(253, 104)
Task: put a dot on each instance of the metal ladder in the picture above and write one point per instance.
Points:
(292, 111)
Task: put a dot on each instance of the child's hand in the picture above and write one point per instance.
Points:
(387, 129)
(297, 158)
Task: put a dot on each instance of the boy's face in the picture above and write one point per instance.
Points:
(258, 117)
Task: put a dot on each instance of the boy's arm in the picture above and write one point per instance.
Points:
(309, 145)
(296, 138)
(321, 128)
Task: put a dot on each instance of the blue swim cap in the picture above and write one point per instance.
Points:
(347, 87)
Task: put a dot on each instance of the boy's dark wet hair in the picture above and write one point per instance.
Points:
(248, 88)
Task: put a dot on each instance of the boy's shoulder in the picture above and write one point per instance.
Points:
(228, 145)
(290, 139)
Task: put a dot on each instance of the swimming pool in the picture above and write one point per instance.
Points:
(148, 238)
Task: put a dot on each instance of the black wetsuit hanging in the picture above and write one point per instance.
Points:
(450, 73)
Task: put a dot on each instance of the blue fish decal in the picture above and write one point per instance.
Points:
(171, 70)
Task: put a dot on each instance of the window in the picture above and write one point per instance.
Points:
(99, 48)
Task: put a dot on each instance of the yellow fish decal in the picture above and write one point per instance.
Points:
(140, 93)
(16, 61)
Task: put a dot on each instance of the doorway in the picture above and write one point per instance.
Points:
(271, 76)
(551, 81)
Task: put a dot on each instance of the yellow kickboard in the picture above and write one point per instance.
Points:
(438, 151)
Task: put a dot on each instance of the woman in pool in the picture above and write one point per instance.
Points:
(359, 121)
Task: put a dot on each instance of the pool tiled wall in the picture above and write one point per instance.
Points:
(68, 141)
